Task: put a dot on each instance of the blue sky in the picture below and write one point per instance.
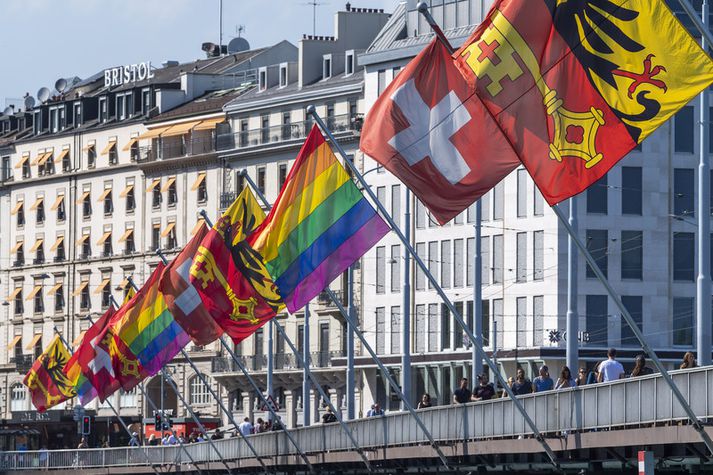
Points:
(48, 39)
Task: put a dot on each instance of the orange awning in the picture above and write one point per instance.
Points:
(109, 146)
(16, 247)
(14, 342)
(34, 341)
(14, 294)
(104, 237)
(56, 244)
(83, 285)
(199, 180)
(83, 197)
(37, 203)
(63, 154)
(125, 192)
(197, 227)
(131, 142)
(57, 202)
(81, 240)
(36, 245)
(101, 286)
(88, 147)
(37, 158)
(22, 161)
(126, 235)
(152, 134)
(123, 285)
(35, 290)
(168, 184)
(169, 227)
(45, 157)
(104, 194)
(209, 124)
(179, 129)
(17, 207)
(154, 184)
(79, 338)
(55, 288)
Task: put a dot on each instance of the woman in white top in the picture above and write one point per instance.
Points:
(565, 380)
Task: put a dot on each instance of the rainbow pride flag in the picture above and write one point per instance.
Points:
(319, 225)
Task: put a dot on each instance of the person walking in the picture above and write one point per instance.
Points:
(328, 417)
(640, 368)
(593, 375)
(246, 427)
(565, 380)
(543, 382)
(375, 410)
(581, 377)
(689, 361)
(485, 389)
(610, 369)
(462, 394)
(521, 385)
(424, 402)
(83, 443)
(134, 442)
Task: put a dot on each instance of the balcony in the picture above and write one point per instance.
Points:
(59, 258)
(38, 260)
(175, 149)
(276, 134)
(84, 256)
(18, 263)
(281, 361)
(22, 363)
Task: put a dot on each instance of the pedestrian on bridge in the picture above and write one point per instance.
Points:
(328, 417)
(565, 380)
(582, 377)
(462, 394)
(689, 361)
(610, 369)
(246, 427)
(640, 368)
(521, 385)
(375, 410)
(425, 402)
(485, 389)
(543, 382)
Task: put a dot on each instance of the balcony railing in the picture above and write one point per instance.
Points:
(18, 263)
(58, 259)
(22, 363)
(160, 150)
(285, 361)
(38, 260)
(283, 133)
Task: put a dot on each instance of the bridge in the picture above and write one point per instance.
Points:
(591, 429)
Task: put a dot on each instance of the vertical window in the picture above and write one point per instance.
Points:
(683, 320)
(380, 81)
(632, 254)
(445, 327)
(156, 196)
(86, 246)
(683, 201)
(683, 130)
(432, 327)
(103, 110)
(521, 193)
(597, 245)
(86, 205)
(498, 323)
(432, 259)
(261, 179)
(91, 156)
(85, 301)
(381, 194)
(538, 255)
(420, 336)
(265, 129)
(485, 266)
(470, 261)
(283, 75)
(380, 330)
(521, 321)
(156, 236)
(683, 256)
(597, 320)
(200, 393)
(326, 68)
(19, 307)
(485, 320)
(20, 211)
(396, 204)
(58, 297)
(172, 191)
(446, 264)
(243, 133)
(597, 200)
(395, 265)
(106, 291)
(497, 259)
(380, 269)
(202, 191)
(18, 398)
(498, 201)
(538, 317)
(108, 202)
(349, 64)
(420, 275)
(539, 202)
(59, 206)
(171, 238)
(130, 199)
(634, 304)
(282, 175)
(458, 263)
(457, 330)
(631, 190)
(40, 208)
(395, 330)
(521, 257)
(420, 215)
(286, 127)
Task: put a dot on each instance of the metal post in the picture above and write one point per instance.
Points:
(700, 26)
(697, 425)
(434, 283)
(203, 379)
(406, 313)
(306, 412)
(703, 281)
(270, 363)
(476, 360)
(572, 353)
(351, 376)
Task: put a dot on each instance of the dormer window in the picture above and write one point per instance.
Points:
(283, 75)
(262, 79)
(103, 110)
(37, 122)
(349, 63)
(54, 120)
(327, 66)
(145, 101)
(77, 114)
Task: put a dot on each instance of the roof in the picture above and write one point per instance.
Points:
(206, 104)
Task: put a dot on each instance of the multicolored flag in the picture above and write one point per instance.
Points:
(182, 297)
(319, 225)
(576, 85)
(46, 380)
(428, 128)
(234, 286)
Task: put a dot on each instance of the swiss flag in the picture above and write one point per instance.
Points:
(430, 130)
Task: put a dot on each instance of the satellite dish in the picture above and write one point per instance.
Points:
(43, 94)
(29, 102)
(8, 111)
(237, 45)
(60, 85)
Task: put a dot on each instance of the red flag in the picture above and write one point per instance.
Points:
(432, 131)
(183, 299)
(94, 360)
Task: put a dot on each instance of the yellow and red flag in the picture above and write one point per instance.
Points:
(575, 85)
(46, 380)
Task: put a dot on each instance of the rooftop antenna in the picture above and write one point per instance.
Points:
(314, 4)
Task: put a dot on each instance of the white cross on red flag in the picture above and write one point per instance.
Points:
(429, 129)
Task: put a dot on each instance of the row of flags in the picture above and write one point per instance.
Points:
(565, 89)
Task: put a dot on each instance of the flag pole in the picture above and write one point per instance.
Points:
(167, 378)
(111, 406)
(423, 10)
(306, 396)
(349, 317)
(302, 361)
(406, 313)
(700, 26)
(434, 283)
(572, 349)
(351, 376)
(200, 375)
(697, 424)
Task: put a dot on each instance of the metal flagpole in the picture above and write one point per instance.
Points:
(306, 399)
(406, 314)
(700, 26)
(572, 352)
(434, 283)
(703, 281)
(111, 406)
(270, 363)
(169, 380)
(350, 321)
(351, 376)
(476, 360)
(213, 393)
(697, 424)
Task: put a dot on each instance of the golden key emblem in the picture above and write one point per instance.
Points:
(494, 58)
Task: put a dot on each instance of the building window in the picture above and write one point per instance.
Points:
(521, 257)
(66, 164)
(445, 327)
(521, 321)
(145, 101)
(327, 67)
(19, 254)
(446, 264)
(19, 303)
(457, 330)
(433, 327)
(86, 247)
(498, 201)
(265, 129)
(26, 171)
(202, 191)
(59, 250)
(420, 275)
(200, 393)
(396, 204)
(538, 317)
(380, 330)
(683, 130)
(113, 155)
(262, 80)
(521, 193)
(420, 215)
(632, 254)
(20, 211)
(634, 304)
(597, 317)
(349, 63)
(395, 265)
(420, 336)
(172, 192)
(18, 398)
(539, 207)
(156, 236)
(395, 330)
(283, 75)
(105, 242)
(538, 255)
(683, 256)
(498, 259)
(380, 81)
(129, 243)
(683, 202)
(86, 203)
(597, 245)
(85, 301)
(49, 165)
(39, 252)
(103, 110)
(60, 207)
(40, 209)
(38, 299)
(243, 133)
(261, 179)
(282, 175)
(597, 197)
(106, 291)
(130, 198)
(156, 197)
(286, 125)
(432, 260)
(683, 323)
(58, 297)
(631, 190)
(171, 239)
(380, 269)
(128, 398)
(91, 156)
(77, 114)
(458, 263)
(108, 202)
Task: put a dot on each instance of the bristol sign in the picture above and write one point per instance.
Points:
(127, 74)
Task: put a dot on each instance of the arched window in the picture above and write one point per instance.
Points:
(199, 391)
(128, 398)
(18, 398)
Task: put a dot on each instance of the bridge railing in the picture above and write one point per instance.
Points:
(625, 403)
